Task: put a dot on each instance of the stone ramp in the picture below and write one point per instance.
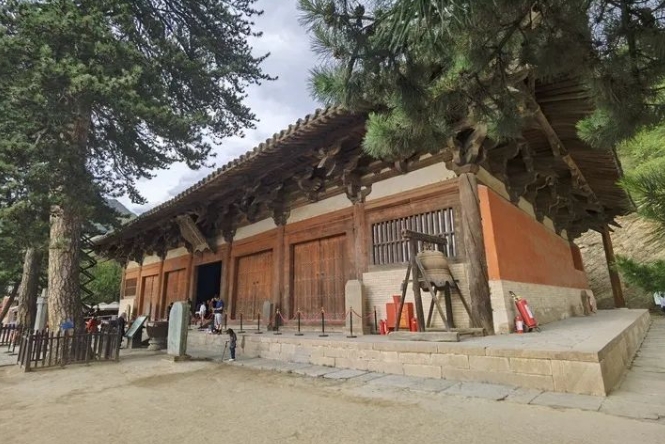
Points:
(641, 394)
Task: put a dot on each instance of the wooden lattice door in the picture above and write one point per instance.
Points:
(175, 288)
(150, 295)
(319, 277)
(253, 284)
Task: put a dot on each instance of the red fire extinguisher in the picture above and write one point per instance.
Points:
(413, 325)
(519, 324)
(526, 313)
(382, 327)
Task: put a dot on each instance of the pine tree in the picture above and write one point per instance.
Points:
(102, 92)
(422, 65)
(643, 158)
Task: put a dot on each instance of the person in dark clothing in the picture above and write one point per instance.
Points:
(168, 311)
(121, 327)
(233, 340)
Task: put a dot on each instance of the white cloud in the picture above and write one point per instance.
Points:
(276, 104)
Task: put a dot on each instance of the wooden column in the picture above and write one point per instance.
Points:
(138, 299)
(278, 271)
(360, 239)
(226, 276)
(474, 249)
(615, 281)
(189, 282)
(160, 289)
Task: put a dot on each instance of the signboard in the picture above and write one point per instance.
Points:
(138, 323)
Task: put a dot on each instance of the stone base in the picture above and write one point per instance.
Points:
(424, 336)
(156, 344)
(585, 355)
(172, 358)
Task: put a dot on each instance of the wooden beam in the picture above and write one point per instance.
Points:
(408, 234)
(560, 152)
(420, 313)
(615, 281)
(474, 248)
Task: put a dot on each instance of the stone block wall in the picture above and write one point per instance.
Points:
(380, 286)
(592, 369)
(547, 302)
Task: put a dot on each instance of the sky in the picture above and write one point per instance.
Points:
(277, 104)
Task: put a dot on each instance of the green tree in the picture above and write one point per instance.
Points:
(105, 91)
(423, 65)
(106, 285)
(644, 159)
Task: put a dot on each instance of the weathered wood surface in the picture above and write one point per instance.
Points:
(420, 314)
(29, 287)
(615, 280)
(474, 248)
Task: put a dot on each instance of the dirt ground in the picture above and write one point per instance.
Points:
(146, 399)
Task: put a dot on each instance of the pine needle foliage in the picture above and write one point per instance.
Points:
(422, 65)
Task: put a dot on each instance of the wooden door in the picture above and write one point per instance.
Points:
(253, 284)
(175, 291)
(150, 296)
(319, 277)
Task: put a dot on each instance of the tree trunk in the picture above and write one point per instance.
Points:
(474, 247)
(615, 280)
(10, 301)
(66, 223)
(64, 297)
(29, 288)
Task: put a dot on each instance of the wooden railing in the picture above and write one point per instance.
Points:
(48, 349)
(10, 336)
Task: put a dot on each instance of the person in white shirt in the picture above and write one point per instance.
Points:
(659, 299)
(202, 313)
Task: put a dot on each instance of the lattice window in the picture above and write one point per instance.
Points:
(130, 287)
(388, 247)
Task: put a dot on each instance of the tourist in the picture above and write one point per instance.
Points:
(219, 310)
(121, 323)
(659, 300)
(202, 313)
(233, 340)
(91, 325)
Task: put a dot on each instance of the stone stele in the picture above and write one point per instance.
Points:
(178, 328)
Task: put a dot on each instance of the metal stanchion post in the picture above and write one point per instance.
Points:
(323, 324)
(258, 324)
(351, 324)
(298, 314)
(376, 322)
(241, 330)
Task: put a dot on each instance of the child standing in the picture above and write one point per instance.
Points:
(233, 339)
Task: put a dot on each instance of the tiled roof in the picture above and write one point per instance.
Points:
(320, 118)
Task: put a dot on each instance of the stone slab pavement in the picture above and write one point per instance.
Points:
(640, 395)
(6, 358)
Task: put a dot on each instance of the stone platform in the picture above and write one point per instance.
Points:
(585, 355)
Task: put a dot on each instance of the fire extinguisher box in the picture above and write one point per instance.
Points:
(391, 313)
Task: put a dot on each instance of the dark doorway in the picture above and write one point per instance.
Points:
(208, 281)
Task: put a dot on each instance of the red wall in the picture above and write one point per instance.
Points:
(521, 249)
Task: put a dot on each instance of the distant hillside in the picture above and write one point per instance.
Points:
(632, 240)
(120, 208)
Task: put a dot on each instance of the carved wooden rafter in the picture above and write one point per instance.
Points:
(312, 182)
(352, 175)
(225, 222)
(278, 204)
(329, 157)
(559, 150)
(192, 235)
